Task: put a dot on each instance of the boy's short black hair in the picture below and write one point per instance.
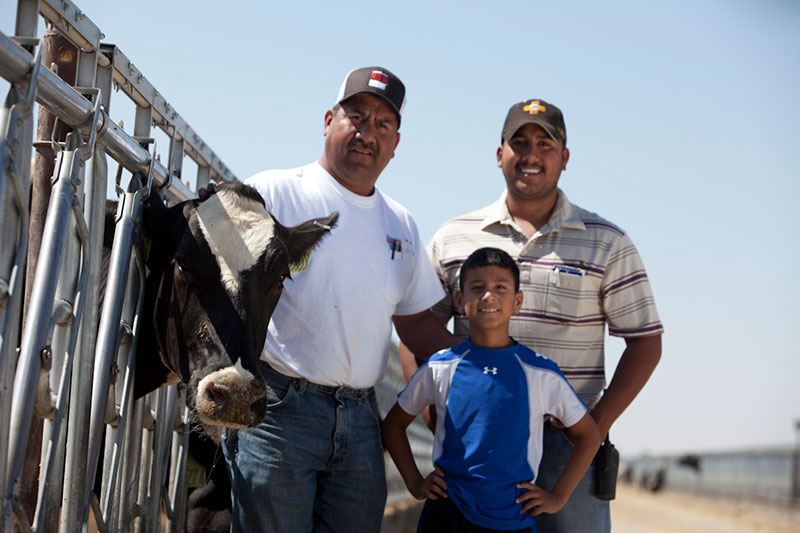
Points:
(489, 257)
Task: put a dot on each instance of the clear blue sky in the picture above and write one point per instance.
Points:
(683, 123)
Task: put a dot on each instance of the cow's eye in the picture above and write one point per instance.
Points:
(286, 275)
(187, 274)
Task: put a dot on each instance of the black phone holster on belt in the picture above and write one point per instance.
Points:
(606, 465)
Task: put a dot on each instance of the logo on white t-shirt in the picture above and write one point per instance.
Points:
(400, 249)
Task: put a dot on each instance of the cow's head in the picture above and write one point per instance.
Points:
(215, 272)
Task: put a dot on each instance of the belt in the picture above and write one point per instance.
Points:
(302, 384)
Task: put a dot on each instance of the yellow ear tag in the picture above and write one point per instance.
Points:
(302, 263)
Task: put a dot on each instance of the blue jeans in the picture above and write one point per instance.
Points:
(314, 464)
(583, 513)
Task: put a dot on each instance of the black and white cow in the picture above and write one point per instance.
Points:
(215, 271)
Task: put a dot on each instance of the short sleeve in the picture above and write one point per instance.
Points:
(424, 290)
(560, 400)
(628, 301)
(445, 308)
(419, 393)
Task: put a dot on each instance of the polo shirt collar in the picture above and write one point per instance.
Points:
(565, 215)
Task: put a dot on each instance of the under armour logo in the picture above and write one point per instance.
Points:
(487, 370)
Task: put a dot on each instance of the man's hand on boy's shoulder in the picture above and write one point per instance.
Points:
(536, 500)
(432, 486)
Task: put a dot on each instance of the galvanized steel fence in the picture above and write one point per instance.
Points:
(66, 362)
(770, 474)
(65, 365)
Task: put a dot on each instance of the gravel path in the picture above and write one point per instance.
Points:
(639, 511)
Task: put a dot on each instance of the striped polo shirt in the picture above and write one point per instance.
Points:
(490, 405)
(578, 273)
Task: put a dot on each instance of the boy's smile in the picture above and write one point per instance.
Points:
(489, 300)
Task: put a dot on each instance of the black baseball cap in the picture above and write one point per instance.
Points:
(378, 81)
(538, 112)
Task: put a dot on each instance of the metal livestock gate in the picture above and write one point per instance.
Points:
(52, 332)
(61, 360)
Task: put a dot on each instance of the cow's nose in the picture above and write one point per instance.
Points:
(230, 399)
(258, 410)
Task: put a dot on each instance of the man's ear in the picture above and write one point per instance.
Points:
(327, 122)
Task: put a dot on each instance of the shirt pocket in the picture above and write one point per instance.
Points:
(400, 264)
(571, 293)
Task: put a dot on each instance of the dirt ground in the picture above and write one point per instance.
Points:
(639, 511)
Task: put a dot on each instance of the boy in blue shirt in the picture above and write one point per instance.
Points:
(491, 396)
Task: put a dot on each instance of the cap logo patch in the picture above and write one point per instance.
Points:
(534, 107)
(378, 80)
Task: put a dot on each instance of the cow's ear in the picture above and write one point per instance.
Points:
(161, 224)
(154, 212)
(302, 238)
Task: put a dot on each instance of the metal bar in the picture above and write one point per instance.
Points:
(26, 24)
(76, 26)
(71, 288)
(146, 459)
(46, 521)
(61, 55)
(80, 402)
(15, 229)
(203, 177)
(71, 107)
(176, 506)
(129, 214)
(36, 328)
(132, 82)
(114, 446)
(72, 23)
(165, 421)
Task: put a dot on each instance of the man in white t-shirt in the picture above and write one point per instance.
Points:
(316, 461)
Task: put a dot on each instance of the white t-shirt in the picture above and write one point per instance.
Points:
(333, 322)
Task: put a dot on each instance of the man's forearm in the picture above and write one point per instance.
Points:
(634, 369)
(423, 334)
(408, 361)
(585, 438)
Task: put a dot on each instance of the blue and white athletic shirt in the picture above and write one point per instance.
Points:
(490, 407)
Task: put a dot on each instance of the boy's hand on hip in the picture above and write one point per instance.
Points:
(536, 500)
(433, 486)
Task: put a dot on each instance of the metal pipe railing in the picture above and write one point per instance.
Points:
(74, 109)
(57, 296)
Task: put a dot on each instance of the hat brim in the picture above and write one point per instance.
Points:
(508, 133)
(379, 95)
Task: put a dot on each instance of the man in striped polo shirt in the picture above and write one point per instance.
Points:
(579, 272)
